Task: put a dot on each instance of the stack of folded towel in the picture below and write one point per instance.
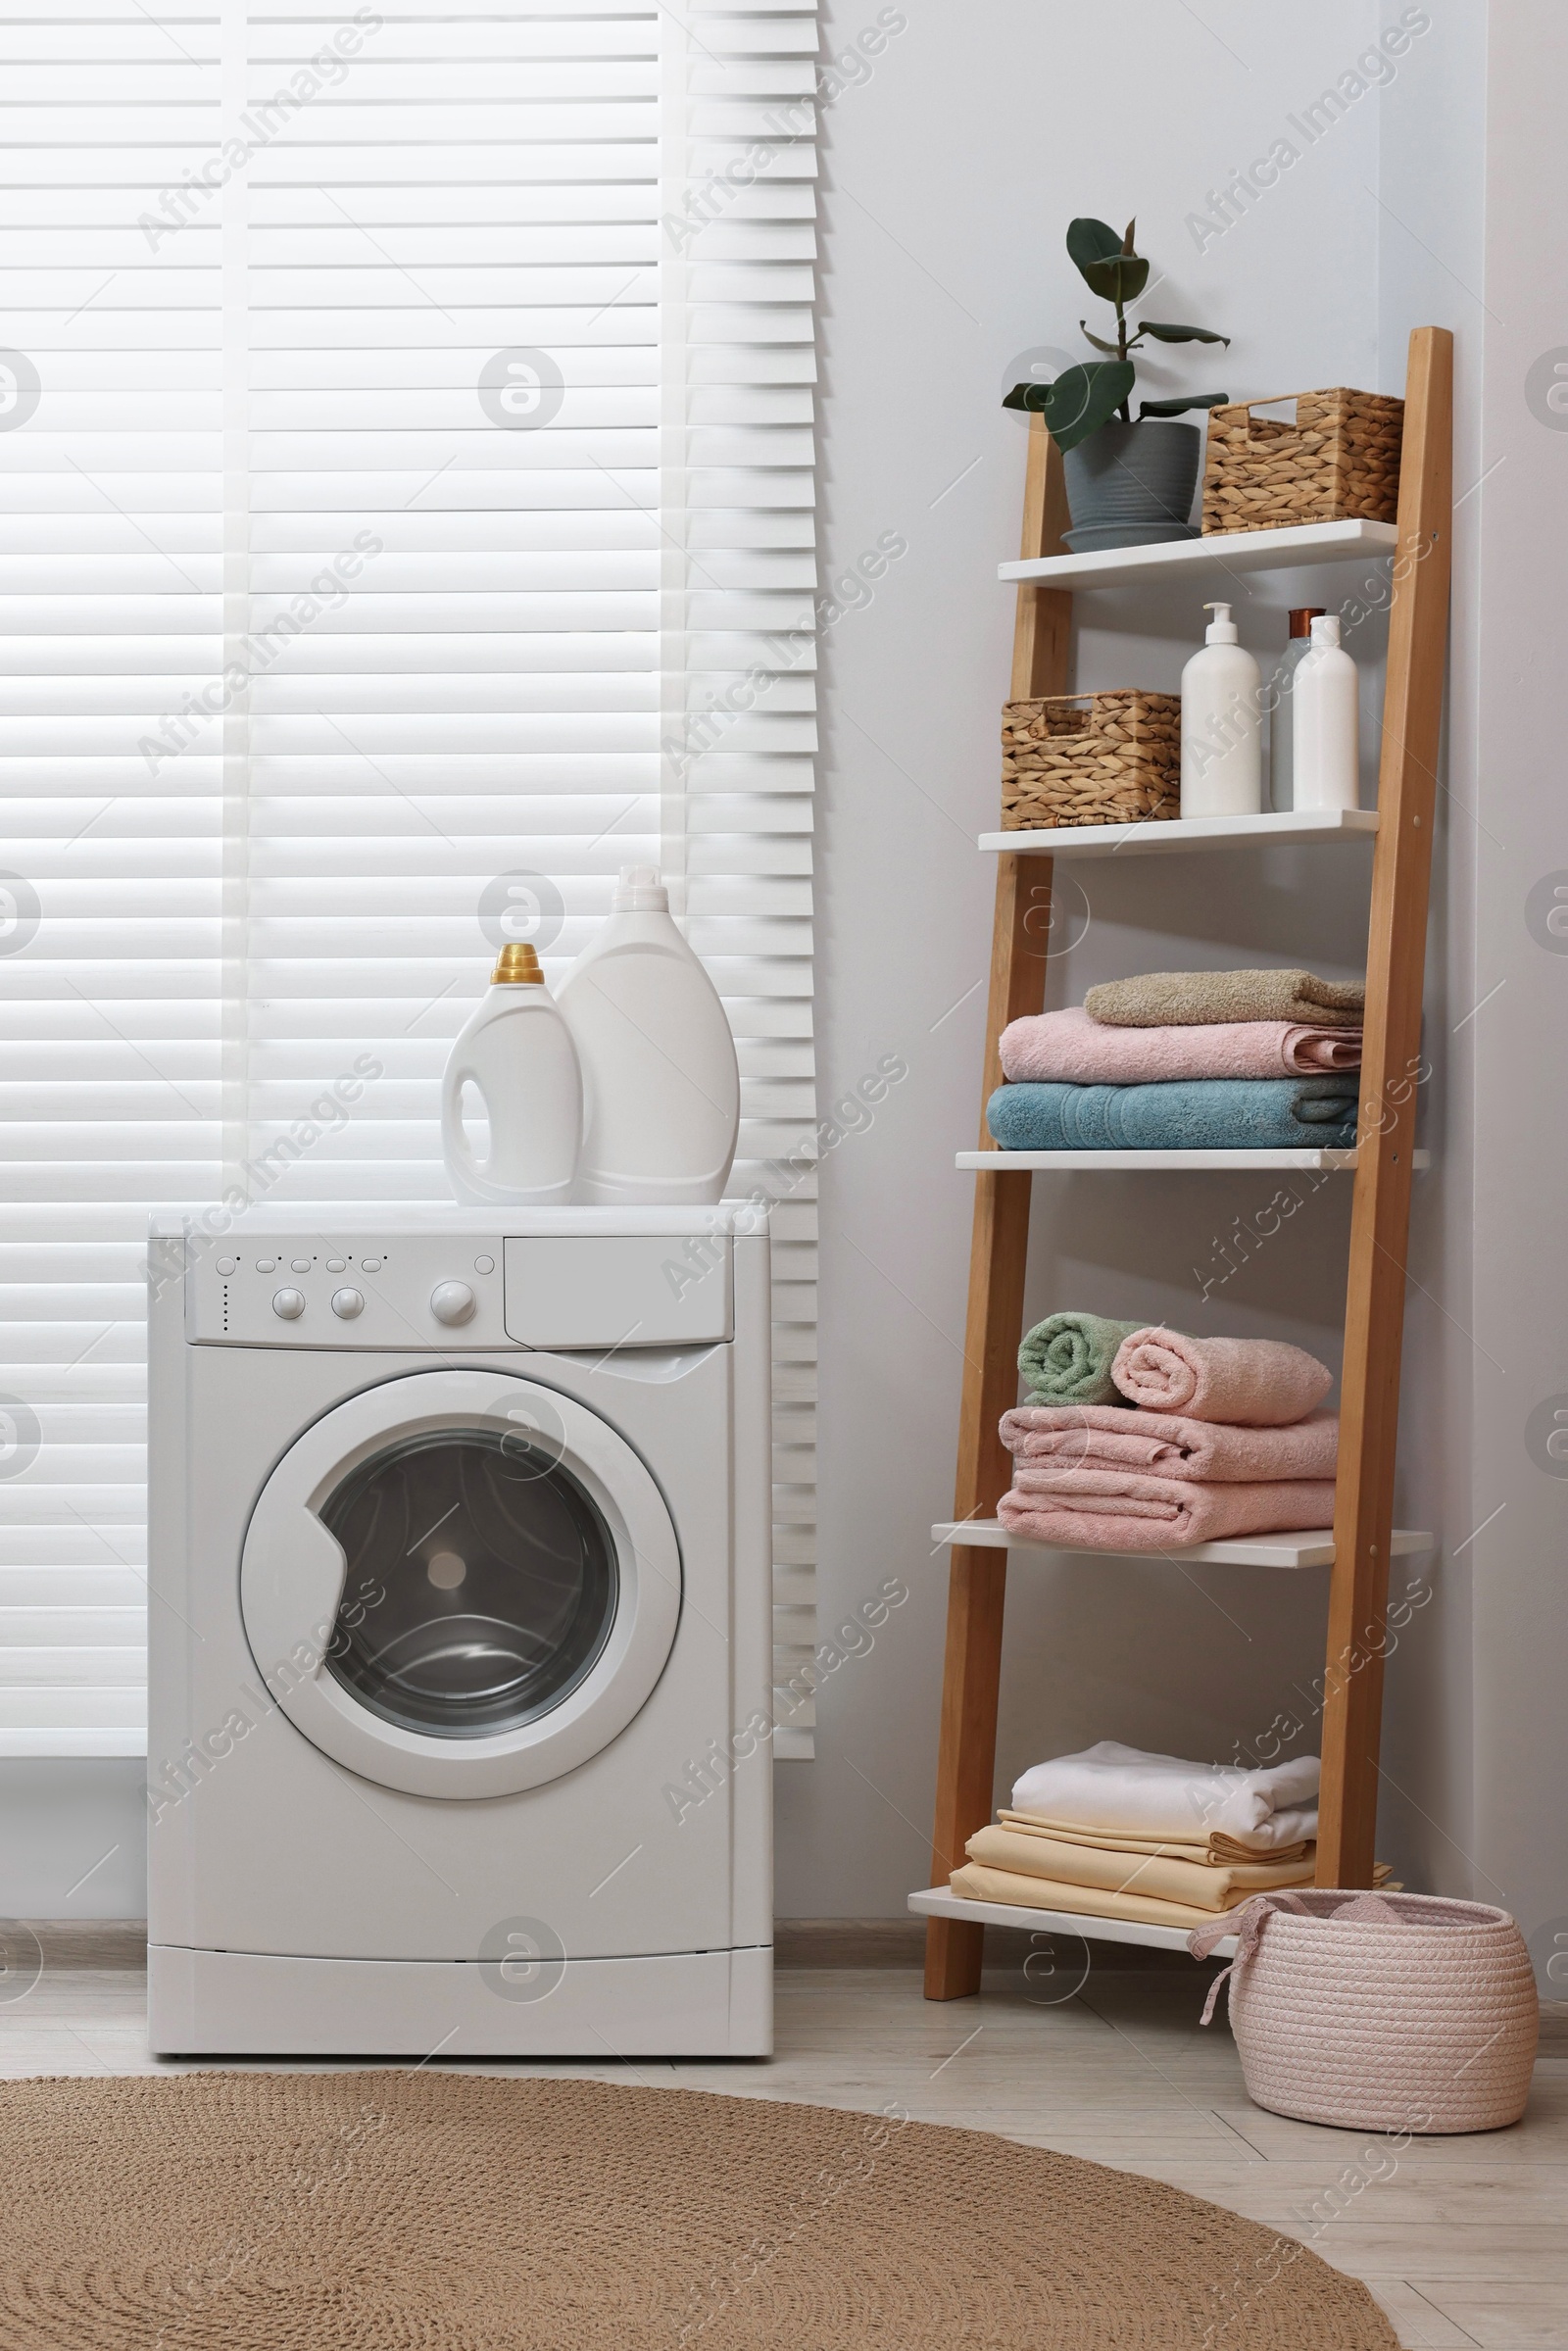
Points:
(1144, 1440)
(1185, 1061)
(1115, 1833)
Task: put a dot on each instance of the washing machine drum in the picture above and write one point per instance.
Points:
(461, 1584)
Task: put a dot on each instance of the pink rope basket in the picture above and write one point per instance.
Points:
(1388, 2012)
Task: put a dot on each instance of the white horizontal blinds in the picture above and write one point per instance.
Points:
(109, 614)
(739, 228)
(454, 548)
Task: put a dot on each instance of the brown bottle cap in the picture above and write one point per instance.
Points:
(1301, 621)
(517, 966)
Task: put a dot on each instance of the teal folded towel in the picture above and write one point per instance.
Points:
(1066, 1359)
(1185, 1114)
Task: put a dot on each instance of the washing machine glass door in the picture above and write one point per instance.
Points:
(480, 1582)
(461, 1583)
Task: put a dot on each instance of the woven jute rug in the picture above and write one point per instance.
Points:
(436, 2212)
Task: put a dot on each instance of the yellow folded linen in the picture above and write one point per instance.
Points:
(979, 1884)
(1163, 1877)
(1219, 1849)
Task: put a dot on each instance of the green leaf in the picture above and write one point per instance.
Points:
(1179, 408)
(1096, 341)
(1083, 399)
(1091, 241)
(1180, 334)
(1121, 279)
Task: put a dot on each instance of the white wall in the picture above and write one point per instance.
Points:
(950, 177)
(1520, 850)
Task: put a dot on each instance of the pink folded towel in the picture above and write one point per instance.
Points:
(1057, 1438)
(1116, 1510)
(1255, 1383)
(1073, 1049)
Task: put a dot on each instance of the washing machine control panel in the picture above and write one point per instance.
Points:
(557, 1294)
(411, 1291)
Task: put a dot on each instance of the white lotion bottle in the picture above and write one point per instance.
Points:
(516, 1051)
(662, 1084)
(1222, 725)
(1326, 736)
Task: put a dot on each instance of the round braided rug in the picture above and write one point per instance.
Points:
(441, 2212)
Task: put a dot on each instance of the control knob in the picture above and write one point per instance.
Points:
(452, 1302)
(290, 1303)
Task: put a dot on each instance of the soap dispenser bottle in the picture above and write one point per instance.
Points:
(660, 1080)
(1222, 725)
(517, 1054)
(1282, 709)
(1326, 735)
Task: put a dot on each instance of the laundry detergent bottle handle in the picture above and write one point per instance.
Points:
(517, 1054)
(660, 1081)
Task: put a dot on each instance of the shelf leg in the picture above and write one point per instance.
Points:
(1392, 1070)
(978, 1579)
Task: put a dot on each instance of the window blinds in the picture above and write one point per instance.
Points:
(414, 525)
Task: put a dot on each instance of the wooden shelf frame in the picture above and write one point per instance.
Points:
(1380, 1215)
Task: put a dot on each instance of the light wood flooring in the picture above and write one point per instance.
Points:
(1463, 2240)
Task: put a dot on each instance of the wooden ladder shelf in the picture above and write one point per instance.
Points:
(1363, 1515)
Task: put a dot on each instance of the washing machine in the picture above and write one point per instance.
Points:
(460, 1634)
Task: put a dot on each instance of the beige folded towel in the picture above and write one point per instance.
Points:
(1220, 1848)
(1195, 998)
(977, 1884)
(1163, 1876)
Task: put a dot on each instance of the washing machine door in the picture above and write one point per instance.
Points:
(461, 1584)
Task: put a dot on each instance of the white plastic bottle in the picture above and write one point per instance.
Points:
(1326, 744)
(660, 1081)
(517, 1053)
(1282, 710)
(1222, 725)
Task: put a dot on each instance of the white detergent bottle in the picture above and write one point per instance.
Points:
(1222, 725)
(660, 1081)
(516, 1051)
(1326, 736)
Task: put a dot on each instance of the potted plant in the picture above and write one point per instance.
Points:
(1129, 484)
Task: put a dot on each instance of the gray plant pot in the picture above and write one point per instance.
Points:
(1132, 485)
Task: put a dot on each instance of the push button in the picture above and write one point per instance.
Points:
(337, 1265)
(290, 1303)
(300, 1266)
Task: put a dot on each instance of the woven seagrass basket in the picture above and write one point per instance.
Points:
(1091, 758)
(1419, 2015)
(1338, 463)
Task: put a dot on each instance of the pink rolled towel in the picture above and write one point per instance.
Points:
(1074, 1049)
(1252, 1383)
(1053, 1438)
(1116, 1510)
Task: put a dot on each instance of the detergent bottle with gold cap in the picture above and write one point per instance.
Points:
(515, 1056)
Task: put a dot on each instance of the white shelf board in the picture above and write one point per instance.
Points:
(1185, 834)
(1189, 561)
(1312, 1548)
(940, 1902)
(1161, 1162)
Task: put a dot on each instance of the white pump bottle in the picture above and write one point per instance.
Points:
(1222, 725)
(660, 1080)
(516, 1051)
(1326, 737)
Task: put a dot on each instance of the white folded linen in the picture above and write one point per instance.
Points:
(1131, 1794)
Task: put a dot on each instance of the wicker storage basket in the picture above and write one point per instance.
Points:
(1091, 758)
(1338, 463)
(1381, 2012)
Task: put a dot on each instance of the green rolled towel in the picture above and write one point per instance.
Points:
(1066, 1359)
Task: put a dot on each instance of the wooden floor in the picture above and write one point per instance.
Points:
(1462, 2241)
